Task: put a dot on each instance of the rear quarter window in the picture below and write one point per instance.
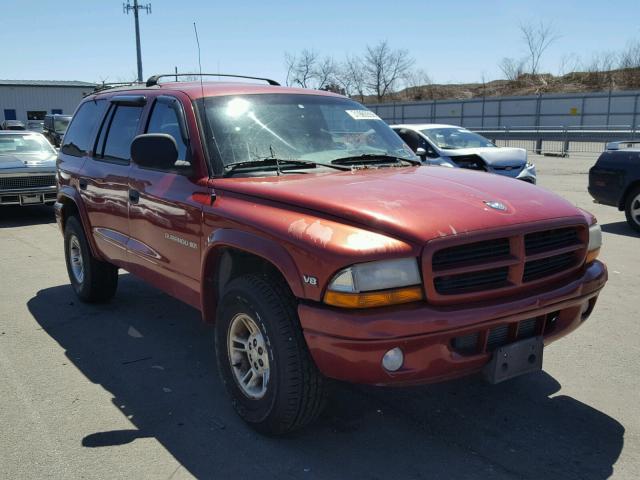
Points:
(77, 139)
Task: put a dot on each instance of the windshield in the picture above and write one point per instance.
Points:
(60, 124)
(306, 127)
(453, 138)
(19, 144)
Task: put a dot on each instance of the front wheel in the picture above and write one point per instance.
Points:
(263, 359)
(632, 209)
(93, 280)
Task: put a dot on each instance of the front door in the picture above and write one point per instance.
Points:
(165, 218)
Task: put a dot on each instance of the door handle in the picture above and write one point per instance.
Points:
(134, 196)
(82, 183)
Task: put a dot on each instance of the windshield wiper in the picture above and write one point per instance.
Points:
(278, 163)
(369, 158)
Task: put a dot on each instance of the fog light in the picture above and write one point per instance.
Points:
(393, 359)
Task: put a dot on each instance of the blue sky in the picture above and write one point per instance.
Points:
(453, 41)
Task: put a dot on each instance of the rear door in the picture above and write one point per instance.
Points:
(165, 213)
(106, 177)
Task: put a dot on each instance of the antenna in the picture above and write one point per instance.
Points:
(126, 7)
(195, 29)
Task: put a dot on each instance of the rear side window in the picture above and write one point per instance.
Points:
(164, 119)
(120, 131)
(77, 139)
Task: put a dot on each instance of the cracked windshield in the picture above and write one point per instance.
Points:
(298, 127)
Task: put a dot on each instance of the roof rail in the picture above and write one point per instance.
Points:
(106, 86)
(153, 80)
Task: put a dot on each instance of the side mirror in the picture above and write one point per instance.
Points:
(421, 152)
(157, 151)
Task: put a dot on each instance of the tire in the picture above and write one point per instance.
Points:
(632, 209)
(92, 280)
(295, 392)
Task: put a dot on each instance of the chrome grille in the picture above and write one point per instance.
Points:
(28, 181)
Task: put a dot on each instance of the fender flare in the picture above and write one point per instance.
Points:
(72, 195)
(268, 250)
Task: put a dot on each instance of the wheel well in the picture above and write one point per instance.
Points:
(630, 188)
(229, 263)
(69, 209)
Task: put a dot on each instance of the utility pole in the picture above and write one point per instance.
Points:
(126, 8)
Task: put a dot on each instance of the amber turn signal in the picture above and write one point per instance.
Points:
(592, 255)
(374, 299)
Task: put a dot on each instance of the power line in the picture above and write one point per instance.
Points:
(126, 8)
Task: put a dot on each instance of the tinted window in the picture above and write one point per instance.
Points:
(164, 119)
(121, 131)
(78, 137)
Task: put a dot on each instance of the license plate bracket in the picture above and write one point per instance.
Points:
(30, 199)
(515, 359)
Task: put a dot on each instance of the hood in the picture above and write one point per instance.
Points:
(494, 156)
(27, 161)
(414, 203)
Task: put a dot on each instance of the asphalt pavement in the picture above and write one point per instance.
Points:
(130, 389)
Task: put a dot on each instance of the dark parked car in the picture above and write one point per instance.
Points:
(27, 169)
(54, 128)
(615, 179)
(12, 125)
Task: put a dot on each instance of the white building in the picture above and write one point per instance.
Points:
(32, 99)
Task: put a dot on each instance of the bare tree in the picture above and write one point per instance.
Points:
(537, 38)
(351, 77)
(569, 63)
(301, 70)
(326, 72)
(416, 84)
(599, 70)
(384, 68)
(629, 65)
(511, 68)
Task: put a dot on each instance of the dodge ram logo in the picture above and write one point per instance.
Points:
(495, 205)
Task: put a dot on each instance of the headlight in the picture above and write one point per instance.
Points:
(595, 242)
(375, 284)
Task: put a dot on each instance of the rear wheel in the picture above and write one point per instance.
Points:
(263, 359)
(93, 280)
(632, 209)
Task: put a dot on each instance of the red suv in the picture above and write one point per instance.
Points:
(305, 230)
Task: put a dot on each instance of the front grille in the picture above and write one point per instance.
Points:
(28, 181)
(471, 282)
(544, 267)
(515, 261)
(549, 239)
(472, 162)
(490, 339)
(479, 251)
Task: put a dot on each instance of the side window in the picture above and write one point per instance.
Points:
(120, 130)
(77, 138)
(164, 119)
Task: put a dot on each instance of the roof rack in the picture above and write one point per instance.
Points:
(106, 86)
(153, 80)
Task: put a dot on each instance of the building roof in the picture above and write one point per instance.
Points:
(47, 83)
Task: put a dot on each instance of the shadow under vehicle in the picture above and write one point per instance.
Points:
(164, 381)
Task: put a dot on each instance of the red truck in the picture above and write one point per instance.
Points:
(304, 229)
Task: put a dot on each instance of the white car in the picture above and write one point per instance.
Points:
(452, 146)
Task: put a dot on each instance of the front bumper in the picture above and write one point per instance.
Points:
(28, 196)
(349, 345)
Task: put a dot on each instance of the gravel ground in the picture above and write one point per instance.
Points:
(130, 389)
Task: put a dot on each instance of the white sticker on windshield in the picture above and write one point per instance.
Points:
(362, 115)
